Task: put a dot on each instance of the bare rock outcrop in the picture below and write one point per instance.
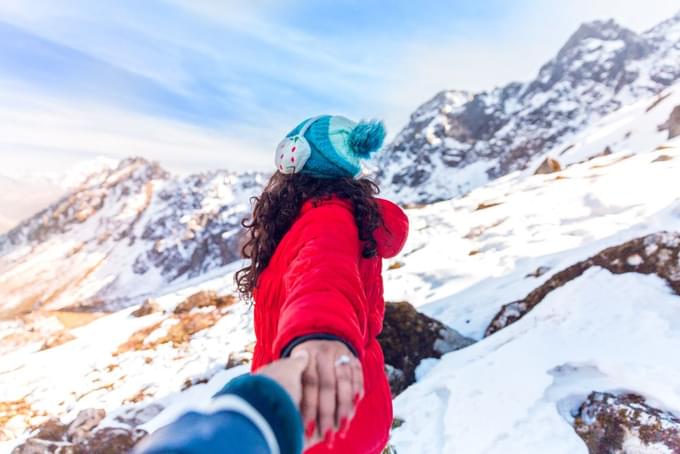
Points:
(82, 435)
(626, 424)
(674, 123)
(408, 337)
(149, 306)
(549, 165)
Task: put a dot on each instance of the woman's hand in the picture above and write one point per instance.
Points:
(332, 385)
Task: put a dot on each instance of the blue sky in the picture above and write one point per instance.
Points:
(204, 84)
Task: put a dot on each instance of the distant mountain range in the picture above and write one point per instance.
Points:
(121, 234)
(127, 230)
(458, 140)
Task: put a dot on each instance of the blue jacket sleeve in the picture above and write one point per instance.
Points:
(271, 420)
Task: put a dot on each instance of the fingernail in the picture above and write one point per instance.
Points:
(329, 438)
(309, 431)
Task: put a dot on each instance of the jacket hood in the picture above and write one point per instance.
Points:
(391, 236)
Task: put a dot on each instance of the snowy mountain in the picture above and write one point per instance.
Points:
(458, 141)
(121, 235)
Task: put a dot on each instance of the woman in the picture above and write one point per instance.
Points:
(317, 238)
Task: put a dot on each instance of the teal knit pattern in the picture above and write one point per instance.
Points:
(331, 153)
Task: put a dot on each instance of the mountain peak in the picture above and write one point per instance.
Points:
(458, 141)
(599, 30)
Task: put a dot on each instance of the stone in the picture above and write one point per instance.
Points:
(549, 165)
(204, 298)
(626, 424)
(674, 123)
(84, 423)
(56, 339)
(113, 440)
(52, 429)
(408, 337)
(149, 306)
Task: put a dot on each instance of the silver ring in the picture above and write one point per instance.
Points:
(342, 360)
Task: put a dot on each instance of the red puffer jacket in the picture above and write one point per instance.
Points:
(318, 282)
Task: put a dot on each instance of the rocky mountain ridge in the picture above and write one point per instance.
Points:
(458, 141)
(121, 234)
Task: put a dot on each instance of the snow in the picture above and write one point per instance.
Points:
(460, 259)
(632, 129)
(513, 392)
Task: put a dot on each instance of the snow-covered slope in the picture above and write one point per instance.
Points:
(519, 390)
(122, 234)
(516, 391)
(458, 141)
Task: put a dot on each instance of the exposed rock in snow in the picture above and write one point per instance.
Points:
(84, 423)
(58, 338)
(627, 424)
(81, 436)
(149, 306)
(653, 254)
(409, 337)
(674, 123)
(549, 165)
(203, 299)
(458, 141)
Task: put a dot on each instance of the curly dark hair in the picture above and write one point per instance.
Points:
(279, 204)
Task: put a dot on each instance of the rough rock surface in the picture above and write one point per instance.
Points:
(549, 165)
(83, 435)
(58, 338)
(674, 123)
(149, 306)
(658, 253)
(626, 424)
(408, 337)
(205, 298)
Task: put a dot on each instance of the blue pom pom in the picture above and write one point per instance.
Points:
(367, 137)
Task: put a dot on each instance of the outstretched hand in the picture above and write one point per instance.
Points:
(332, 385)
(288, 373)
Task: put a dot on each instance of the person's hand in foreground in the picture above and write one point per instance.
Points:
(288, 372)
(252, 414)
(332, 385)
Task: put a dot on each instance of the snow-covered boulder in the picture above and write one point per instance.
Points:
(658, 253)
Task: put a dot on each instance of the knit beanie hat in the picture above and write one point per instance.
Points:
(329, 146)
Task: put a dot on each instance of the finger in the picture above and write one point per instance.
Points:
(310, 397)
(345, 394)
(357, 381)
(299, 361)
(327, 390)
